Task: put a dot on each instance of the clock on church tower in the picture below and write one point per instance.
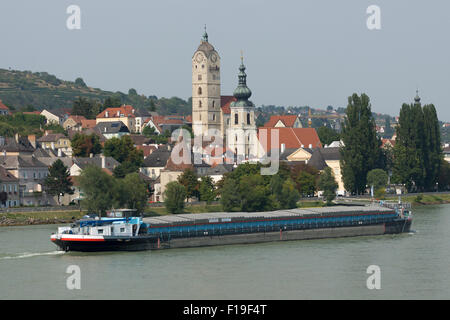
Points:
(205, 88)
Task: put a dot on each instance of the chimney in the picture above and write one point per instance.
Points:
(59, 153)
(91, 155)
(53, 146)
(32, 139)
(17, 137)
(103, 161)
(283, 147)
(106, 114)
(310, 146)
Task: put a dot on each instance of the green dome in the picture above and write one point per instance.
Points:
(242, 92)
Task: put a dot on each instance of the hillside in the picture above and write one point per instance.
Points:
(20, 90)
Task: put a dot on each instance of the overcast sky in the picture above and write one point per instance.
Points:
(310, 52)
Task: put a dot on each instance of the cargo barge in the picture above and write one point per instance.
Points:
(121, 232)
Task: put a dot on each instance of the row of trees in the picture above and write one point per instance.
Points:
(416, 160)
(245, 189)
(418, 153)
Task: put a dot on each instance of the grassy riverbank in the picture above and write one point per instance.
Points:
(63, 217)
(31, 218)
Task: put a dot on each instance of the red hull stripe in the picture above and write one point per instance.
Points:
(84, 240)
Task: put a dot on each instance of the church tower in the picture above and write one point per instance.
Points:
(205, 88)
(241, 135)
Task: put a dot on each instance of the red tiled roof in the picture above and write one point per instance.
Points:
(288, 121)
(2, 106)
(384, 142)
(88, 124)
(147, 150)
(126, 111)
(225, 102)
(291, 137)
(77, 119)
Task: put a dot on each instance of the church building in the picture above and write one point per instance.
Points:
(232, 116)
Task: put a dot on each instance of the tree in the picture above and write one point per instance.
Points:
(289, 195)
(58, 181)
(124, 151)
(80, 82)
(84, 145)
(100, 190)
(229, 195)
(85, 107)
(174, 197)
(133, 192)
(377, 178)
(206, 189)
(328, 185)
(254, 193)
(362, 151)
(327, 135)
(417, 152)
(189, 180)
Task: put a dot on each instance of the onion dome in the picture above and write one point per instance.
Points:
(417, 98)
(242, 92)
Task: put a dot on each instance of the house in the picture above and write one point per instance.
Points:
(74, 123)
(113, 129)
(162, 124)
(287, 138)
(4, 110)
(124, 114)
(88, 124)
(14, 146)
(155, 162)
(31, 174)
(285, 121)
(106, 163)
(49, 156)
(387, 143)
(9, 185)
(329, 157)
(446, 152)
(141, 115)
(56, 116)
(56, 141)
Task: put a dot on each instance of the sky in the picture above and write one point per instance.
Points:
(297, 53)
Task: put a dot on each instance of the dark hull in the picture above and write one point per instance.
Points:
(153, 242)
(110, 244)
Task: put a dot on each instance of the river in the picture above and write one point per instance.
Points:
(412, 266)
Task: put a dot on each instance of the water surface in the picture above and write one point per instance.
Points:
(413, 266)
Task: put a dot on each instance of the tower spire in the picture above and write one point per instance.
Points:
(417, 98)
(205, 35)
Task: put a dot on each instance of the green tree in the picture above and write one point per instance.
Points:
(124, 151)
(80, 82)
(328, 185)
(206, 189)
(327, 135)
(100, 190)
(85, 107)
(377, 178)
(189, 180)
(229, 195)
(417, 152)
(174, 197)
(83, 145)
(289, 195)
(361, 152)
(58, 181)
(133, 192)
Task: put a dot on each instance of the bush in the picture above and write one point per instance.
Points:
(174, 197)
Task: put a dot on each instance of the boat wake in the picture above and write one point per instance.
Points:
(30, 255)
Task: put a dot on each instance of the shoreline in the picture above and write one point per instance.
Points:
(51, 218)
